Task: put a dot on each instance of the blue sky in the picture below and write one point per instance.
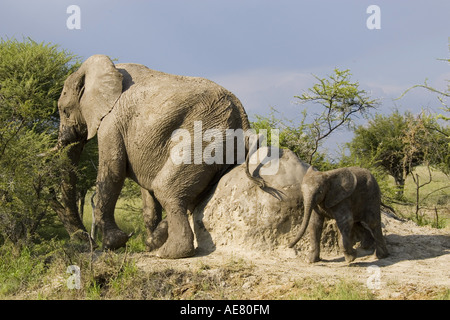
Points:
(264, 51)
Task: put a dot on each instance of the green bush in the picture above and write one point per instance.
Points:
(31, 79)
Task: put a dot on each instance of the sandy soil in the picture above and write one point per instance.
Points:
(418, 266)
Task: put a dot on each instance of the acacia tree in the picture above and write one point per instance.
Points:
(400, 142)
(338, 101)
(31, 79)
(290, 135)
(379, 143)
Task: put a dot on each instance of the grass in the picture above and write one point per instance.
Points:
(128, 215)
(18, 269)
(40, 272)
(434, 199)
(444, 295)
(429, 195)
(308, 289)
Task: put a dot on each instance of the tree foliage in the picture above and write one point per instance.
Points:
(27, 182)
(337, 102)
(31, 79)
(400, 142)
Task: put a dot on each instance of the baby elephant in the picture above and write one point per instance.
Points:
(352, 197)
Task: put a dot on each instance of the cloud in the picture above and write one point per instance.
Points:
(386, 89)
(397, 96)
(260, 89)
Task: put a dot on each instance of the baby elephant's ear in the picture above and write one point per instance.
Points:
(341, 184)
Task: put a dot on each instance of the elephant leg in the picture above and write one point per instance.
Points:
(315, 228)
(108, 193)
(364, 235)
(110, 179)
(380, 245)
(345, 225)
(381, 250)
(156, 228)
(180, 240)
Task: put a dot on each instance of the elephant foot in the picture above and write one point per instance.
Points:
(168, 251)
(114, 239)
(381, 253)
(179, 247)
(158, 237)
(349, 257)
(313, 257)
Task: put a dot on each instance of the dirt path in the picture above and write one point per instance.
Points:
(418, 268)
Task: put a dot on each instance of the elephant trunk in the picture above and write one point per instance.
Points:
(66, 208)
(305, 222)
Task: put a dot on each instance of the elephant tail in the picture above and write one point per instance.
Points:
(256, 140)
(250, 150)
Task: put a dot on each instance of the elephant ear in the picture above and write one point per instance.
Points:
(102, 89)
(341, 183)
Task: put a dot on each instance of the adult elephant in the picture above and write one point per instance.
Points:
(134, 111)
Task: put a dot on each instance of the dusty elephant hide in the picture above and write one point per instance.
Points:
(239, 216)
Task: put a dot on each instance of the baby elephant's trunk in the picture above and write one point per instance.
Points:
(304, 225)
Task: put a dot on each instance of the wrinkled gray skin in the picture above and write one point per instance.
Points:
(352, 197)
(134, 111)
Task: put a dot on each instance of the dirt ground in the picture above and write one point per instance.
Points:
(418, 267)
